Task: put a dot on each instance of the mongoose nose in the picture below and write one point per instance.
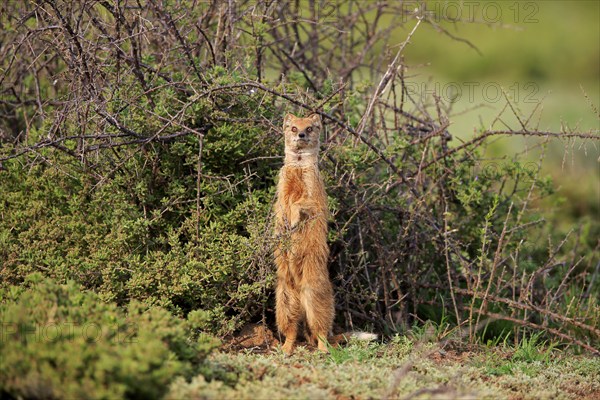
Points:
(302, 135)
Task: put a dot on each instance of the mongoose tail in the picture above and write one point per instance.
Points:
(345, 337)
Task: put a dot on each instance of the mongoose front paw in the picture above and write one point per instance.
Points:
(301, 214)
(294, 222)
(305, 213)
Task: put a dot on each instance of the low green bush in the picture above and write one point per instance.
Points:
(155, 235)
(61, 341)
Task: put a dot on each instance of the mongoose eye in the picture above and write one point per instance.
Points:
(294, 129)
(309, 129)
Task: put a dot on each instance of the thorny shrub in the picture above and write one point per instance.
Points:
(140, 146)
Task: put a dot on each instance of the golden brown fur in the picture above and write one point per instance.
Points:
(304, 291)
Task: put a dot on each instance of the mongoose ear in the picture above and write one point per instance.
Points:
(288, 119)
(315, 117)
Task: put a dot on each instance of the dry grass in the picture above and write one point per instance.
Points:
(404, 368)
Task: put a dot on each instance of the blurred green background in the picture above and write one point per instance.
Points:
(552, 44)
(544, 52)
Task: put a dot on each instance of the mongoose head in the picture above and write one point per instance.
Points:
(302, 134)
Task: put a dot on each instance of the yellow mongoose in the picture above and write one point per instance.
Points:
(304, 291)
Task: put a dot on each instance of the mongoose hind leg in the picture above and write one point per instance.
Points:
(287, 314)
(317, 300)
